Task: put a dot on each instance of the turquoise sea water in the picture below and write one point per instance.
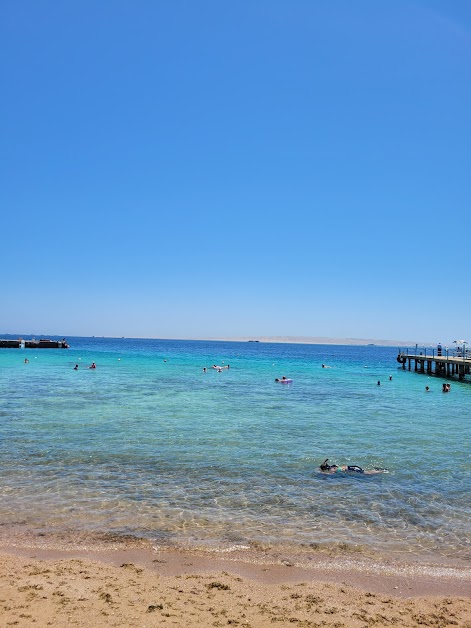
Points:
(149, 445)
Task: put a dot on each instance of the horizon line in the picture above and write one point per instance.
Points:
(321, 340)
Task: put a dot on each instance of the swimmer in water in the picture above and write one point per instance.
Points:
(93, 366)
(26, 360)
(76, 367)
(283, 379)
(325, 467)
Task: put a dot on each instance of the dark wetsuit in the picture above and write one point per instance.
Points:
(355, 468)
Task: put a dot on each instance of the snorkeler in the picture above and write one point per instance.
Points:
(325, 467)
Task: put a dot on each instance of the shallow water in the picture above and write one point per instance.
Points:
(150, 445)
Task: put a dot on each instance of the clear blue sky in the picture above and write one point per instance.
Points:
(211, 168)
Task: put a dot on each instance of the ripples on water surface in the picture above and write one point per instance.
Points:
(160, 450)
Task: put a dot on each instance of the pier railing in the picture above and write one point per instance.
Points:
(431, 352)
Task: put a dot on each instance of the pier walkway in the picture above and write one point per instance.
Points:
(445, 365)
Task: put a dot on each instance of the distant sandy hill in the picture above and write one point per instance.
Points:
(321, 340)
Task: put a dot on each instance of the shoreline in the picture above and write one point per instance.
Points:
(245, 549)
(122, 585)
(269, 566)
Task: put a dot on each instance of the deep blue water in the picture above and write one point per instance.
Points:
(150, 445)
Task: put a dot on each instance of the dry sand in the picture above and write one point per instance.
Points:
(135, 587)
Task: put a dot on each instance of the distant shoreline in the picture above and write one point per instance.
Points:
(321, 340)
(305, 340)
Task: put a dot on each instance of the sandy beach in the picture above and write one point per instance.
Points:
(139, 586)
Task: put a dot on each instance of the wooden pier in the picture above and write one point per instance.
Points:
(448, 366)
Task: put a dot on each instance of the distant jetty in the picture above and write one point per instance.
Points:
(42, 343)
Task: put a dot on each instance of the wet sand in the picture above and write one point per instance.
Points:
(142, 586)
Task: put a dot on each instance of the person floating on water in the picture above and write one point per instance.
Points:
(325, 467)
